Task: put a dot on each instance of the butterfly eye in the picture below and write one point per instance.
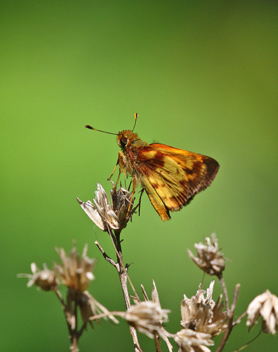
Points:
(123, 141)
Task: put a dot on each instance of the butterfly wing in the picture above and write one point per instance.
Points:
(172, 177)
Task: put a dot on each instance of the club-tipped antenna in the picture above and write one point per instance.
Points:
(115, 134)
(92, 128)
(135, 119)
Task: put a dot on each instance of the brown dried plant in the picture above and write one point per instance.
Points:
(202, 318)
(75, 273)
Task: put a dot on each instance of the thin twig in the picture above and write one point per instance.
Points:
(122, 271)
(116, 240)
(239, 318)
(106, 257)
(230, 322)
(224, 288)
(235, 298)
(83, 327)
(123, 278)
(60, 297)
(74, 334)
(157, 344)
(133, 288)
(136, 345)
(103, 315)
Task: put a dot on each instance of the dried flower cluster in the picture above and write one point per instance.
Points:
(266, 306)
(105, 215)
(202, 317)
(209, 259)
(202, 314)
(152, 326)
(75, 273)
(147, 317)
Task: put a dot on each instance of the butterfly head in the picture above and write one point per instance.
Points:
(127, 139)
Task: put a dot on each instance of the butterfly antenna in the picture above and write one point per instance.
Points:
(92, 128)
(135, 119)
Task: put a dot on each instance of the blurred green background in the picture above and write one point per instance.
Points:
(203, 76)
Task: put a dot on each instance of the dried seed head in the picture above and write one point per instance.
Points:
(105, 215)
(192, 341)
(74, 272)
(122, 206)
(202, 314)
(159, 329)
(147, 317)
(209, 259)
(45, 279)
(266, 306)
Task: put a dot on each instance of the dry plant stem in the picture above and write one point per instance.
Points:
(106, 257)
(74, 347)
(239, 318)
(80, 332)
(122, 271)
(224, 288)
(123, 277)
(74, 336)
(131, 284)
(157, 345)
(58, 294)
(230, 322)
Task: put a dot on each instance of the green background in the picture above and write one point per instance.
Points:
(203, 77)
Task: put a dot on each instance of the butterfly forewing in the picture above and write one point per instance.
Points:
(172, 177)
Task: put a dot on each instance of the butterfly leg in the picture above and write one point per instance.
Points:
(122, 168)
(117, 163)
(139, 203)
(132, 193)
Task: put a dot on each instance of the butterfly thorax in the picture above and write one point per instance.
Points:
(131, 145)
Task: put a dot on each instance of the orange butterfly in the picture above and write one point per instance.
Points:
(170, 176)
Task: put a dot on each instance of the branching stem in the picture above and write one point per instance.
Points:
(230, 322)
(122, 272)
(73, 333)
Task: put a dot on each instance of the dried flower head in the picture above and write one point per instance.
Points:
(266, 306)
(75, 273)
(209, 259)
(192, 341)
(105, 215)
(122, 205)
(45, 279)
(155, 299)
(147, 317)
(202, 314)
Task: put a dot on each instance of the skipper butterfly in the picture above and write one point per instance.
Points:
(171, 177)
